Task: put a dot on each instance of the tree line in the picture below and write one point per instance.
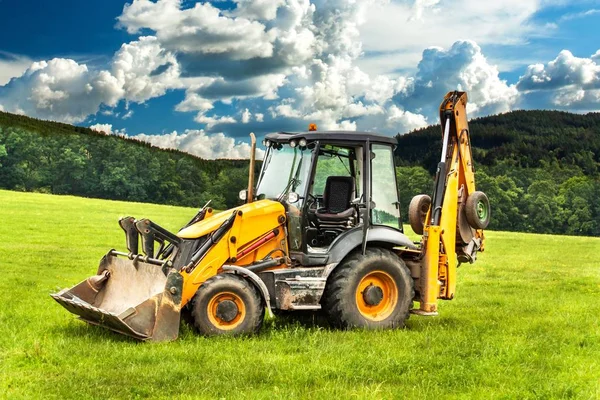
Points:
(57, 158)
(540, 169)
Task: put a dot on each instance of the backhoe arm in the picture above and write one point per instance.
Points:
(451, 233)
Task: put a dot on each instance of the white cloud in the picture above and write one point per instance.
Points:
(107, 129)
(564, 70)
(246, 115)
(12, 66)
(211, 121)
(265, 10)
(200, 29)
(396, 32)
(331, 90)
(64, 90)
(578, 15)
(567, 82)
(420, 6)
(201, 144)
(462, 67)
(331, 62)
(404, 121)
(60, 89)
(145, 70)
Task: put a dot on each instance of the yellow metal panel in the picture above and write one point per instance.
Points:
(257, 209)
(255, 221)
(429, 278)
(448, 225)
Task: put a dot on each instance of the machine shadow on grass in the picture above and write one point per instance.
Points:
(283, 321)
(82, 330)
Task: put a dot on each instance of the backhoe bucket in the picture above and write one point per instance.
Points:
(130, 297)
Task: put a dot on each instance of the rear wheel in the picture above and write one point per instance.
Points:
(227, 304)
(417, 212)
(371, 291)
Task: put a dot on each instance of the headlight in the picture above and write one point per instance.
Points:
(302, 142)
(293, 143)
(292, 197)
(268, 143)
(243, 195)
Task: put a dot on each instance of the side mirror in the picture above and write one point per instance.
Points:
(243, 195)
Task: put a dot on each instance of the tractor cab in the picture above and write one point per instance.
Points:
(323, 179)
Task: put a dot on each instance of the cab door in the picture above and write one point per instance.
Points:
(385, 206)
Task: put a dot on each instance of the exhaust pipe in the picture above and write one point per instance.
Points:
(251, 169)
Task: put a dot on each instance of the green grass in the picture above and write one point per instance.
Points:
(524, 324)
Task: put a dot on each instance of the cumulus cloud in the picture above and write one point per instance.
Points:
(331, 90)
(145, 70)
(277, 64)
(64, 90)
(60, 89)
(201, 29)
(405, 119)
(250, 35)
(567, 82)
(201, 144)
(464, 67)
(107, 129)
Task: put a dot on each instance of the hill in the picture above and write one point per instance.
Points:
(523, 325)
(525, 139)
(541, 169)
(57, 158)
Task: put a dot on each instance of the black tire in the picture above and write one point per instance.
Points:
(236, 290)
(417, 212)
(477, 210)
(340, 300)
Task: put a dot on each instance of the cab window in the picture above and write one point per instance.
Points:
(384, 191)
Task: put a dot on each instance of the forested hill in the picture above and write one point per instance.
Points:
(526, 138)
(58, 158)
(541, 169)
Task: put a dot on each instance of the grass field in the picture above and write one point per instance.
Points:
(525, 325)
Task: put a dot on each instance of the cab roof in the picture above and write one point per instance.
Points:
(333, 136)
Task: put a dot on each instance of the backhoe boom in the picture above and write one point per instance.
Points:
(448, 236)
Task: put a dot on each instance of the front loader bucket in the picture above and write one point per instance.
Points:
(130, 297)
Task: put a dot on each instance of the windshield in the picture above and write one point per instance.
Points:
(285, 170)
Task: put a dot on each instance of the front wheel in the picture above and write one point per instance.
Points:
(371, 291)
(227, 304)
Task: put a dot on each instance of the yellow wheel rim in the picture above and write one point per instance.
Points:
(213, 314)
(384, 288)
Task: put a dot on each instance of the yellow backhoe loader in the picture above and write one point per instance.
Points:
(321, 230)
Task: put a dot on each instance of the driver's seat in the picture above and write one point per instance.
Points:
(337, 214)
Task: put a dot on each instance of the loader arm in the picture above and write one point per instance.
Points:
(142, 296)
(447, 238)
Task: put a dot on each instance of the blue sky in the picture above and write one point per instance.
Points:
(200, 76)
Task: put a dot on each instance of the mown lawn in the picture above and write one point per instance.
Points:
(525, 324)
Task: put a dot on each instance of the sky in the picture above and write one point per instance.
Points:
(201, 75)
